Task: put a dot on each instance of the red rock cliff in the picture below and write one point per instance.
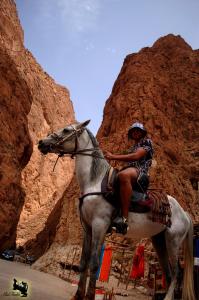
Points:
(15, 104)
(32, 105)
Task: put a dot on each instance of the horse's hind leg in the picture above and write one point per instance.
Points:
(84, 262)
(159, 244)
(174, 240)
(173, 257)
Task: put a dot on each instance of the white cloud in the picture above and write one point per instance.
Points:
(111, 50)
(75, 15)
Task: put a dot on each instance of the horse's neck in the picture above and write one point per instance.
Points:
(82, 168)
(84, 165)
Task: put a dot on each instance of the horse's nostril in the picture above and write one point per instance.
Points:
(40, 142)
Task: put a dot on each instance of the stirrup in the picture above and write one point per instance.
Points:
(120, 225)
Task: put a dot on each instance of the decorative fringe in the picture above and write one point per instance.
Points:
(161, 210)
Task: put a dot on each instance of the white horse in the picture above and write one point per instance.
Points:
(96, 214)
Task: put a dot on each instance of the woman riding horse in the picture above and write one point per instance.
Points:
(96, 212)
(139, 160)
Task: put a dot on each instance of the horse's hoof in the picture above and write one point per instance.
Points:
(79, 297)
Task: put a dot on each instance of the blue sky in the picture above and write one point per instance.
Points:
(82, 43)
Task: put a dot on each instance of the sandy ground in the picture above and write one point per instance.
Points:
(44, 286)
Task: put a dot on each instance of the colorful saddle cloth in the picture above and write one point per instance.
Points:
(143, 199)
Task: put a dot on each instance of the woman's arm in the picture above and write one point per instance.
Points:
(141, 152)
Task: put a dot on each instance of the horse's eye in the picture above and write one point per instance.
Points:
(66, 130)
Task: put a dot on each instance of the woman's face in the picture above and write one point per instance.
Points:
(136, 134)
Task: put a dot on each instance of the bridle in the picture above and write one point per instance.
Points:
(73, 153)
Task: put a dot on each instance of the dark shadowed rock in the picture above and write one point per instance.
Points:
(31, 106)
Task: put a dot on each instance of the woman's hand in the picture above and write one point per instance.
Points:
(108, 155)
(141, 152)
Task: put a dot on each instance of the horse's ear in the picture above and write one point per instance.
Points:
(83, 124)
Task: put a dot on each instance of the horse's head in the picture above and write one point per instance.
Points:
(64, 140)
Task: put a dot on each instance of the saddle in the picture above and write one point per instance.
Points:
(111, 189)
(143, 200)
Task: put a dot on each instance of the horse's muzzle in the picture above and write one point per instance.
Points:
(44, 148)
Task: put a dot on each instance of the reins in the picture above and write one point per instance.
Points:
(80, 152)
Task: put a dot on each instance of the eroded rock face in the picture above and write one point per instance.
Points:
(51, 109)
(11, 33)
(68, 234)
(32, 105)
(15, 142)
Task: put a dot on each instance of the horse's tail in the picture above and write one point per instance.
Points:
(188, 281)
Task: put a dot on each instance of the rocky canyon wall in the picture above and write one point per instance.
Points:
(51, 109)
(15, 141)
(32, 105)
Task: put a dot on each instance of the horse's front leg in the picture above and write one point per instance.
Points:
(84, 262)
(99, 229)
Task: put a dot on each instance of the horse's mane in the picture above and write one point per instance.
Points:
(98, 164)
(93, 139)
